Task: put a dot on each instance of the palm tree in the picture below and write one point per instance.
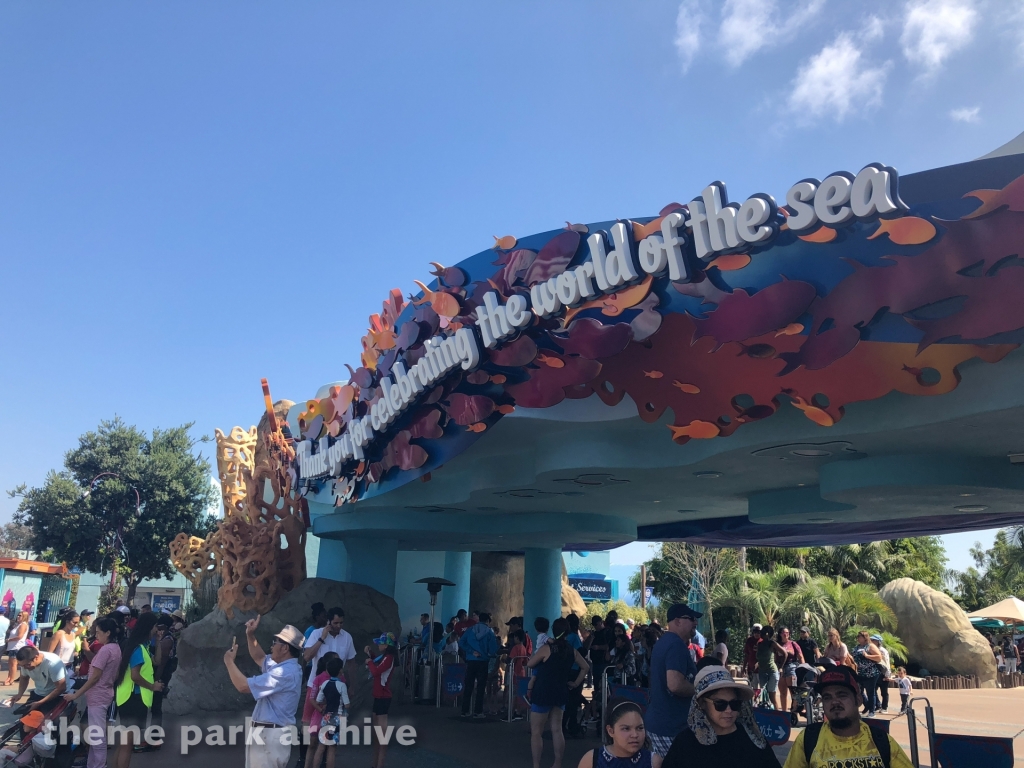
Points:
(761, 595)
(828, 602)
(1013, 555)
(860, 563)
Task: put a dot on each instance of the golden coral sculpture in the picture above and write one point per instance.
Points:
(236, 452)
(259, 548)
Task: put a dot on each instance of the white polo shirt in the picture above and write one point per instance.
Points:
(341, 644)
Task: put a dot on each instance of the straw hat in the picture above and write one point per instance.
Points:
(292, 636)
(715, 678)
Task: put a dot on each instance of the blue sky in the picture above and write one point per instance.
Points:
(197, 195)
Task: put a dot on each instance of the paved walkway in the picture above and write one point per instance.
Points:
(979, 712)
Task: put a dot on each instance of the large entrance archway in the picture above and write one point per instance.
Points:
(841, 366)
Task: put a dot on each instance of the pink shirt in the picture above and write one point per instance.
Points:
(107, 659)
(308, 710)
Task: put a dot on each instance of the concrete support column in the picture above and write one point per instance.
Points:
(332, 560)
(542, 589)
(373, 562)
(457, 568)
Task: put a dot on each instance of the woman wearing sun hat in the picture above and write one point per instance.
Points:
(722, 731)
(381, 663)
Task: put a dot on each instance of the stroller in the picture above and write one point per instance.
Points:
(805, 700)
(25, 742)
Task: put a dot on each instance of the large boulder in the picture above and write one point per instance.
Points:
(571, 600)
(201, 683)
(496, 585)
(937, 632)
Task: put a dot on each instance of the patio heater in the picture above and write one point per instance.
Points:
(427, 676)
(434, 584)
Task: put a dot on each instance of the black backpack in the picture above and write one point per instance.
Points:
(880, 737)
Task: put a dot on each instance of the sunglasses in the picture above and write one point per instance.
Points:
(723, 704)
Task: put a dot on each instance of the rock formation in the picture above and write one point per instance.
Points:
(571, 600)
(937, 632)
(496, 586)
(201, 683)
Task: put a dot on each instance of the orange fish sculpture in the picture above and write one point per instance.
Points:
(1011, 196)
(441, 302)
(703, 430)
(822, 235)
(909, 230)
(814, 413)
(730, 262)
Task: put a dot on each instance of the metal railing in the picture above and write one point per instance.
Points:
(929, 719)
(510, 689)
(438, 679)
(604, 692)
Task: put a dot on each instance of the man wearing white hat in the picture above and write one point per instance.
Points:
(276, 691)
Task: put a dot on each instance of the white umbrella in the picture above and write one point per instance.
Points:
(1010, 610)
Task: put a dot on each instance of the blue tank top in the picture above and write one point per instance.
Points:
(605, 759)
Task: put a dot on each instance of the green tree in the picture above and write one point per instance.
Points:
(763, 597)
(121, 497)
(14, 537)
(922, 558)
(876, 563)
(823, 602)
(998, 572)
(682, 568)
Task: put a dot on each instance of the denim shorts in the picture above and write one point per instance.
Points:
(540, 709)
(769, 680)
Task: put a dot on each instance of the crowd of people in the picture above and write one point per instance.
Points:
(312, 668)
(698, 713)
(773, 660)
(1007, 652)
(119, 663)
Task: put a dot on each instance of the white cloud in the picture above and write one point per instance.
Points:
(687, 42)
(874, 29)
(965, 114)
(750, 25)
(836, 81)
(933, 30)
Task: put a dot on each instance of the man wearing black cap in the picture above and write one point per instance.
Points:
(672, 673)
(844, 739)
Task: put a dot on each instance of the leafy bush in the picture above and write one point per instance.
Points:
(635, 613)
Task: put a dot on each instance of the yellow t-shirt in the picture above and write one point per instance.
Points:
(833, 751)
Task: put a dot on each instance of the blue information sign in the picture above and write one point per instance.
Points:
(453, 680)
(774, 725)
(592, 589)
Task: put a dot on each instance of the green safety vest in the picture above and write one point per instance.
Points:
(127, 685)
